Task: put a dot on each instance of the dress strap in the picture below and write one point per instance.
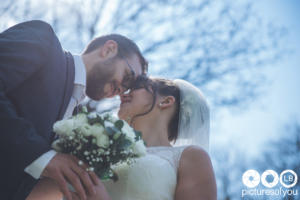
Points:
(178, 151)
(171, 154)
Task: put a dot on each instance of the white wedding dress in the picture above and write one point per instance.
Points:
(153, 176)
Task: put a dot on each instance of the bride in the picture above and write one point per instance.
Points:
(173, 117)
(166, 112)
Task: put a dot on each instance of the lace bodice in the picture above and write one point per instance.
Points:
(153, 176)
(170, 154)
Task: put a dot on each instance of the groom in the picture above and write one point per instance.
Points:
(41, 83)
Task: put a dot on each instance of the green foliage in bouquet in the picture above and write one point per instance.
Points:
(100, 141)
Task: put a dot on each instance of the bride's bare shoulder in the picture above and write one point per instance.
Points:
(194, 153)
(194, 159)
(195, 175)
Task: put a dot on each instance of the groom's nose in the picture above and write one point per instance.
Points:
(122, 89)
(124, 96)
(118, 89)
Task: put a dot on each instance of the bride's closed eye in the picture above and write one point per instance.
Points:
(132, 89)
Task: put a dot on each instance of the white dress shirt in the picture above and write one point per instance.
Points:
(36, 168)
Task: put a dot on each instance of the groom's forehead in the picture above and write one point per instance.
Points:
(136, 64)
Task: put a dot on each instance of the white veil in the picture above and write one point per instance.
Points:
(194, 118)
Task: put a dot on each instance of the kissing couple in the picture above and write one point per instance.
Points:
(41, 83)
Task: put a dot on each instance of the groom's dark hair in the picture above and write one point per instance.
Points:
(126, 48)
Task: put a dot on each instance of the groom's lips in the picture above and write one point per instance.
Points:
(109, 96)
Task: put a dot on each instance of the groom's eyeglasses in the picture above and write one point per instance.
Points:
(142, 81)
(129, 77)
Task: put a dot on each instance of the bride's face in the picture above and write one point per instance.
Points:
(136, 102)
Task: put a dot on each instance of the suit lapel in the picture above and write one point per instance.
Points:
(70, 75)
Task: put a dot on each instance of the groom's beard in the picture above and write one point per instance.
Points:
(100, 74)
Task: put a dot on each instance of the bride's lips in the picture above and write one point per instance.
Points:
(125, 99)
(124, 102)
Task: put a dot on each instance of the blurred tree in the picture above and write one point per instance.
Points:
(283, 154)
(229, 165)
(279, 154)
(220, 46)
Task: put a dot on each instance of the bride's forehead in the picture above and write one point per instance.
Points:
(142, 82)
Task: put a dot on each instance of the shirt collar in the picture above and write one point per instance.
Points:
(80, 71)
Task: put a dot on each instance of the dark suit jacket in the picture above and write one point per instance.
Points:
(36, 84)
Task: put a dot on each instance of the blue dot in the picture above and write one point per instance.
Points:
(269, 178)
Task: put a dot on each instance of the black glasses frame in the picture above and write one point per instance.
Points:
(127, 82)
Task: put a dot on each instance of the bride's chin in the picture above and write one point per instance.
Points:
(121, 114)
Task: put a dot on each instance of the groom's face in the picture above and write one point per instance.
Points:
(112, 76)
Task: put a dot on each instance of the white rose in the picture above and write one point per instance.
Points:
(109, 116)
(128, 131)
(97, 130)
(139, 148)
(84, 129)
(64, 127)
(92, 115)
(102, 140)
(80, 120)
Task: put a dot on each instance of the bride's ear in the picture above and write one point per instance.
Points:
(166, 102)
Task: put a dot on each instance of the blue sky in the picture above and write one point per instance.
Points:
(265, 117)
(280, 103)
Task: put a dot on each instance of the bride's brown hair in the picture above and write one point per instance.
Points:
(163, 87)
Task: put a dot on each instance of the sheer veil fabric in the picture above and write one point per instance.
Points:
(194, 116)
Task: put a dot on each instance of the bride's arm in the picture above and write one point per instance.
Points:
(46, 188)
(196, 179)
(101, 193)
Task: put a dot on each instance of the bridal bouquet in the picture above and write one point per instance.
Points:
(100, 141)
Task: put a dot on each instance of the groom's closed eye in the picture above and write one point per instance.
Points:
(135, 85)
(127, 81)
